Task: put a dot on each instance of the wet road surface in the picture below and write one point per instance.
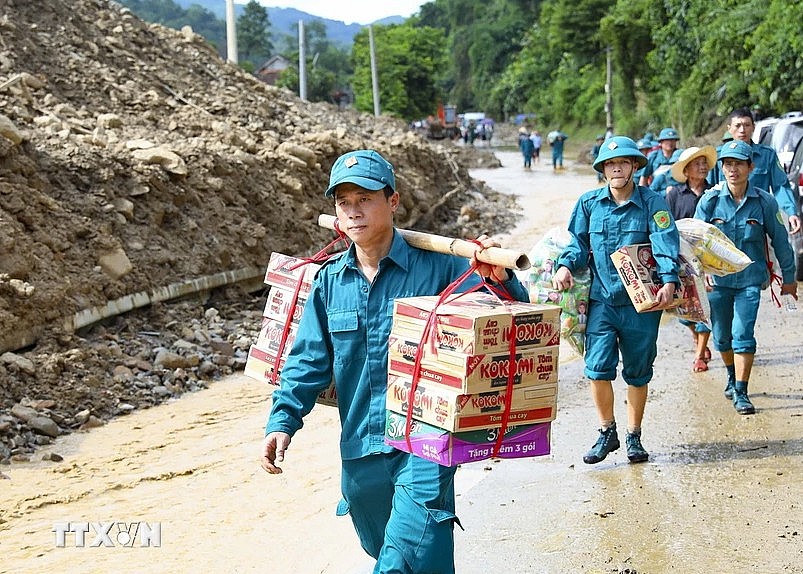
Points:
(721, 492)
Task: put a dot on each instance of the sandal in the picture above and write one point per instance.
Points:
(699, 366)
(707, 355)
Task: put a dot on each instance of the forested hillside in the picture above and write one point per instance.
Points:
(679, 62)
(684, 63)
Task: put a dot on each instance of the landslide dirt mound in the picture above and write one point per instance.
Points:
(133, 157)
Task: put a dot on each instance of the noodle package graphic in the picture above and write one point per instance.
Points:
(695, 305)
(637, 270)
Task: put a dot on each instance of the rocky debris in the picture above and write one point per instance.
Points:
(130, 362)
(15, 286)
(133, 157)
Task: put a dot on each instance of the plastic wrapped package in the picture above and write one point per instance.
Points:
(573, 302)
(716, 252)
(695, 306)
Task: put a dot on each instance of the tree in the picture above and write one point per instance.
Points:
(627, 29)
(409, 60)
(253, 35)
(170, 14)
(774, 66)
(328, 66)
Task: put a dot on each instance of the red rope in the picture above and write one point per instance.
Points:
(429, 329)
(774, 277)
(428, 334)
(318, 257)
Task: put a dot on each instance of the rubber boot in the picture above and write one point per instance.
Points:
(741, 402)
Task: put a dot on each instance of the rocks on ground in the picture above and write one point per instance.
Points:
(132, 157)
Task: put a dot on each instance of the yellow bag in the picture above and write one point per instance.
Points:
(717, 253)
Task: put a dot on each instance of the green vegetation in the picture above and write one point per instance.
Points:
(408, 65)
(328, 66)
(684, 63)
(253, 36)
(170, 14)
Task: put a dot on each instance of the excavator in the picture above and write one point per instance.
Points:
(444, 125)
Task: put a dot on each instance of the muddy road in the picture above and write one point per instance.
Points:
(721, 492)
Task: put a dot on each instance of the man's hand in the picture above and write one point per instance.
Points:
(563, 279)
(273, 448)
(496, 273)
(789, 289)
(794, 224)
(665, 296)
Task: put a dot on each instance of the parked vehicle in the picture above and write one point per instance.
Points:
(763, 130)
(784, 136)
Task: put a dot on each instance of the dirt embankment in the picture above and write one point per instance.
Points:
(132, 157)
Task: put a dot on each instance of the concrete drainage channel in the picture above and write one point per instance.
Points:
(250, 278)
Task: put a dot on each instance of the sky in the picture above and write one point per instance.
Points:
(350, 11)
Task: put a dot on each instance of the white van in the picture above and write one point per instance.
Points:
(763, 130)
(784, 137)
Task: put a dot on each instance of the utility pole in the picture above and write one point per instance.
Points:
(374, 78)
(231, 33)
(302, 63)
(608, 97)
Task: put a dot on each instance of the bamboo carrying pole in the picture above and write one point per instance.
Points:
(440, 244)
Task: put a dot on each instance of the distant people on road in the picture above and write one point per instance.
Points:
(604, 220)
(537, 140)
(767, 173)
(556, 139)
(471, 132)
(402, 506)
(668, 142)
(690, 172)
(526, 147)
(749, 216)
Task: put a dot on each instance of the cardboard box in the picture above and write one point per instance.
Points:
(270, 335)
(637, 270)
(453, 411)
(471, 374)
(451, 449)
(280, 304)
(285, 272)
(260, 365)
(479, 323)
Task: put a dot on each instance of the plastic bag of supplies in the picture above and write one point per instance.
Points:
(573, 302)
(695, 306)
(717, 253)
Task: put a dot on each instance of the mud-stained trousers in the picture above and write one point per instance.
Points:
(403, 509)
(733, 318)
(612, 330)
